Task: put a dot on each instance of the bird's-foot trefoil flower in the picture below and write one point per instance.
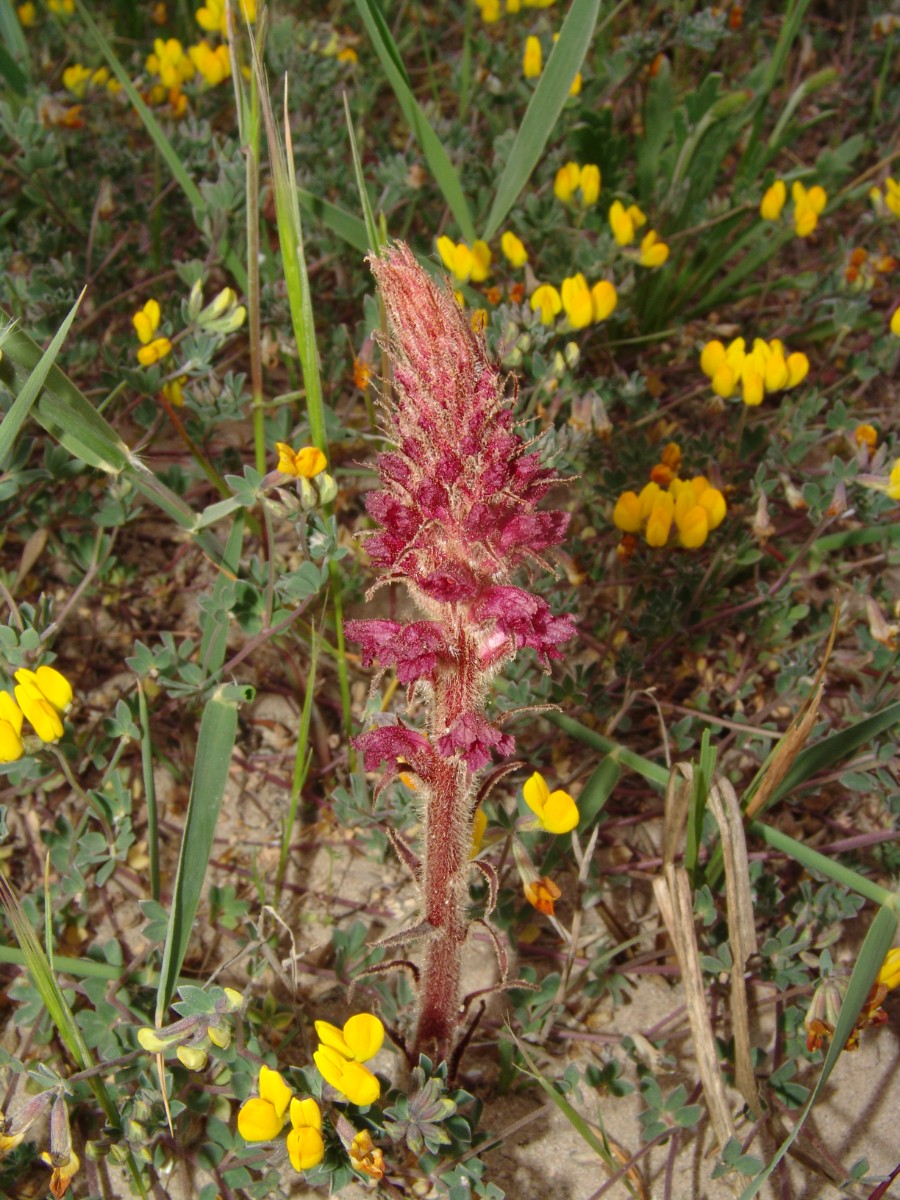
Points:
(556, 812)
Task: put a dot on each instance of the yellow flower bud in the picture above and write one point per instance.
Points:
(532, 60)
(659, 523)
(576, 300)
(513, 250)
(773, 201)
(604, 299)
(712, 356)
(798, 369)
(627, 513)
(566, 181)
(589, 185)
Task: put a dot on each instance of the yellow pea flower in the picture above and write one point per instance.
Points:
(481, 261)
(458, 259)
(589, 184)
(621, 223)
(146, 321)
(659, 522)
(11, 718)
(866, 435)
(753, 383)
(773, 201)
(604, 299)
(42, 696)
(808, 205)
(351, 1079)
(479, 825)
(653, 252)
(576, 301)
(52, 685)
(566, 181)
(693, 527)
(542, 894)
(75, 79)
(513, 250)
(712, 356)
(306, 1148)
(306, 463)
(213, 65)
(154, 352)
(261, 1119)
(777, 374)
(627, 513)
(360, 1039)
(724, 382)
(892, 195)
(27, 14)
(895, 321)
(547, 300)
(556, 812)
(713, 501)
(889, 975)
(532, 59)
(798, 368)
(575, 89)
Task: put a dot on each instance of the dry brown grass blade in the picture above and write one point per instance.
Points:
(726, 809)
(673, 895)
(798, 731)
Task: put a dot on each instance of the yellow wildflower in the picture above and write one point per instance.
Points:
(889, 975)
(213, 65)
(306, 1148)
(458, 259)
(75, 79)
(546, 299)
(365, 1156)
(342, 1052)
(895, 321)
(27, 14)
(62, 8)
(773, 201)
(627, 513)
(589, 184)
(808, 205)
(154, 351)
(211, 16)
(261, 1119)
(169, 62)
(306, 463)
(625, 222)
(479, 825)
(576, 301)
(481, 261)
(866, 435)
(146, 321)
(532, 59)
(892, 195)
(653, 252)
(513, 250)
(659, 521)
(556, 812)
(566, 181)
(604, 299)
(11, 717)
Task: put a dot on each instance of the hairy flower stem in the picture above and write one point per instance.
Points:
(458, 511)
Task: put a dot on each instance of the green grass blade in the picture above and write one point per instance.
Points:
(218, 727)
(575, 1119)
(598, 790)
(825, 754)
(28, 393)
(14, 45)
(544, 108)
(871, 955)
(372, 235)
(338, 220)
(814, 861)
(650, 771)
(435, 155)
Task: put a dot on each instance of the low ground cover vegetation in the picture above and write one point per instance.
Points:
(449, 580)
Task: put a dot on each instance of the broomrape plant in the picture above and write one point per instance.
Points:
(458, 510)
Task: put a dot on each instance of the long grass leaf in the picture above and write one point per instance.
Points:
(149, 790)
(825, 754)
(14, 45)
(372, 235)
(650, 771)
(435, 155)
(218, 727)
(871, 955)
(28, 392)
(812, 860)
(338, 220)
(544, 108)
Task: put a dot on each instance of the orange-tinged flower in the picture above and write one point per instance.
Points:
(542, 894)
(556, 812)
(866, 435)
(365, 1156)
